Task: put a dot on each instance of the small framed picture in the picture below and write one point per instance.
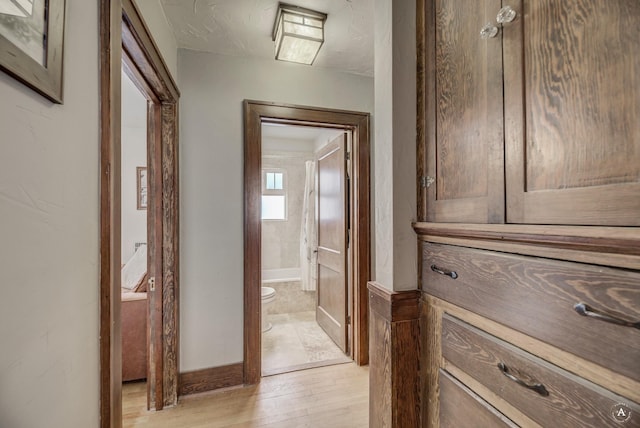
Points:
(142, 193)
(31, 44)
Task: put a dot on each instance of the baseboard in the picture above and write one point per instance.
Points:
(210, 379)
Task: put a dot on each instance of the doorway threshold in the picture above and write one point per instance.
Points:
(306, 366)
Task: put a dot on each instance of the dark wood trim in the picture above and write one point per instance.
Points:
(110, 337)
(421, 98)
(256, 112)
(154, 248)
(170, 253)
(139, 44)
(394, 335)
(122, 30)
(393, 306)
(584, 238)
(210, 379)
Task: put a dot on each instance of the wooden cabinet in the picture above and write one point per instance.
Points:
(542, 116)
(513, 377)
(529, 160)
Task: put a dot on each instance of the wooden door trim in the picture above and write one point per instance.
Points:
(255, 113)
(123, 30)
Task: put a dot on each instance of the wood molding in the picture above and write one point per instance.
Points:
(393, 306)
(421, 104)
(605, 246)
(123, 30)
(203, 380)
(394, 340)
(256, 112)
(110, 335)
(139, 44)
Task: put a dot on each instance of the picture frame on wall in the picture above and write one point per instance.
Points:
(32, 44)
(141, 173)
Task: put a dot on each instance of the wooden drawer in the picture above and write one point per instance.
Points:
(537, 297)
(553, 396)
(460, 407)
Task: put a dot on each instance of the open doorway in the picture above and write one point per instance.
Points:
(354, 340)
(305, 304)
(134, 312)
(125, 43)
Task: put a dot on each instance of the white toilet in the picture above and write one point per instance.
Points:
(268, 296)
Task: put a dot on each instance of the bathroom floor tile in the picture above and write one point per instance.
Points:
(295, 340)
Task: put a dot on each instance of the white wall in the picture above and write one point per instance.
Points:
(133, 154)
(211, 196)
(153, 15)
(49, 258)
(395, 144)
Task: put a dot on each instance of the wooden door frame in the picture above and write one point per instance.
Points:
(125, 41)
(255, 113)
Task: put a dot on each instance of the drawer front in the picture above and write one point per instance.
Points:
(537, 297)
(545, 393)
(460, 407)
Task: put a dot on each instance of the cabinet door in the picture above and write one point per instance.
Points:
(464, 113)
(572, 106)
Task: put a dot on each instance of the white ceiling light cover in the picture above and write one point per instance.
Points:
(299, 34)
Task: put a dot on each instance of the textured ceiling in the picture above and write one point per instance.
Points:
(243, 28)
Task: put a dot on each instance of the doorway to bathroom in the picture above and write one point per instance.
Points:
(305, 293)
(314, 292)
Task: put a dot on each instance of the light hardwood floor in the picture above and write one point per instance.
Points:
(332, 396)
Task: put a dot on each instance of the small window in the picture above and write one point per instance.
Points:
(274, 180)
(274, 195)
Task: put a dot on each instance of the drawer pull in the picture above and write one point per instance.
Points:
(537, 387)
(587, 311)
(450, 273)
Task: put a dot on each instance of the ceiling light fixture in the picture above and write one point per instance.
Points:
(298, 33)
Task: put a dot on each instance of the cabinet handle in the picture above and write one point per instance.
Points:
(489, 31)
(450, 273)
(587, 311)
(537, 387)
(506, 15)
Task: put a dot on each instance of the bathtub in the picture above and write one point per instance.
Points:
(270, 276)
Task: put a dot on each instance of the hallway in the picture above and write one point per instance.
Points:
(333, 396)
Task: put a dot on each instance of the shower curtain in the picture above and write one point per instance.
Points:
(308, 231)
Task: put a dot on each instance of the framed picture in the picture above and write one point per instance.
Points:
(142, 193)
(31, 44)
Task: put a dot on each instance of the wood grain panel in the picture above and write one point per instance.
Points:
(210, 379)
(380, 383)
(461, 407)
(571, 401)
(394, 357)
(572, 97)
(170, 254)
(537, 296)
(154, 259)
(467, 143)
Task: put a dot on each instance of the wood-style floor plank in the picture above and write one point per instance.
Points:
(333, 396)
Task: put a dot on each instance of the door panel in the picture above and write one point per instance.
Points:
(466, 141)
(331, 310)
(573, 138)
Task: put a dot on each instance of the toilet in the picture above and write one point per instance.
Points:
(268, 296)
